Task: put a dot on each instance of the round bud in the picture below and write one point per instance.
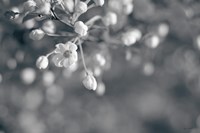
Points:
(42, 62)
(99, 2)
(90, 82)
(80, 28)
(69, 5)
(131, 37)
(81, 7)
(45, 8)
(49, 26)
(29, 6)
(110, 19)
(37, 34)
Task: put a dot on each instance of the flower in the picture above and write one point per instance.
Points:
(37, 34)
(110, 19)
(99, 2)
(81, 7)
(66, 54)
(90, 82)
(29, 6)
(42, 62)
(80, 28)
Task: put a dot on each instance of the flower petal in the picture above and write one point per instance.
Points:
(73, 47)
(58, 60)
(60, 48)
(67, 62)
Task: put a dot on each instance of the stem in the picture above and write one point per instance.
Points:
(59, 35)
(93, 20)
(76, 39)
(83, 59)
(47, 55)
(91, 6)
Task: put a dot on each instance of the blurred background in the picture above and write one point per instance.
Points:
(152, 86)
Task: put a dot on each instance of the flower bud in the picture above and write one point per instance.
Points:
(49, 26)
(90, 82)
(80, 28)
(131, 37)
(29, 6)
(45, 8)
(69, 5)
(110, 19)
(99, 2)
(37, 34)
(42, 62)
(81, 7)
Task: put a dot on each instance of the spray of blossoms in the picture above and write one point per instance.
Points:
(65, 54)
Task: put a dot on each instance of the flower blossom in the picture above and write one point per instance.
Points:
(66, 54)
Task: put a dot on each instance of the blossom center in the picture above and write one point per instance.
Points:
(67, 53)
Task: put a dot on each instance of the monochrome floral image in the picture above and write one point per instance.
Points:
(99, 66)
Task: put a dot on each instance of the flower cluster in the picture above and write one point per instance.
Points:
(43, 16)
(67, 12)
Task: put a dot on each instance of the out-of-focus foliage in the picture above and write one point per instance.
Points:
(149, 86)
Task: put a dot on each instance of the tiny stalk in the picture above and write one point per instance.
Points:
(83, 59)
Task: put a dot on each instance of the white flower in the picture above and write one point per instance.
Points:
(90, 82)
(42, 62)
(37, 34)
(29, 6)
(81, 7)
(131, 37)
(80, 28)
(99, 2)
(110, 19)
(66, 54)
